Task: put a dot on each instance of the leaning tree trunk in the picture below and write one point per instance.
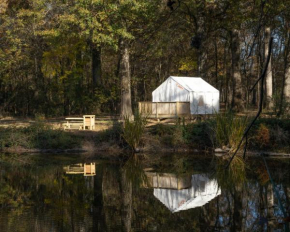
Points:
(237, 99)
(269, 77)
(125, 76)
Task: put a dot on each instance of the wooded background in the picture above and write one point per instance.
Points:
(65, 57)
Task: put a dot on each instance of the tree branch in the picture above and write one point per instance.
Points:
(262, 78)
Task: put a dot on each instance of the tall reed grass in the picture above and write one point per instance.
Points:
(133, 130)
(228, 129)
(234, 175)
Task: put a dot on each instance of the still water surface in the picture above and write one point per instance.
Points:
(142, 193)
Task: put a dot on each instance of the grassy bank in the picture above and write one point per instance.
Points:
(37, 136)
(266, 135)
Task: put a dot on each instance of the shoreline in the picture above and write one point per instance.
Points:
(141, 151)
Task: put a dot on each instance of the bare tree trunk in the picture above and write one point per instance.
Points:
(269, 76)
(200, 35)
(270, 207)
(237, 101)
(228, 95)
(216, 62)
(125, 76)
(287, 83)
(286, 80)
(285, 93)
(96, 65)
(238, 207)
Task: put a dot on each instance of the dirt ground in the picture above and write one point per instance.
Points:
(56, 123)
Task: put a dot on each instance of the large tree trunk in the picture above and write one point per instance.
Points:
(286, 80)
(125, 76)
(96, 66)
(270, 208)
(238, 207)
(285, 93)
(126, 188)
(237, 101)
(201, 37)
(287, 83)
(269, 76)
(112, 199)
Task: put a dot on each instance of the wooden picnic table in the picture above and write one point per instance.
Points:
(81, 123)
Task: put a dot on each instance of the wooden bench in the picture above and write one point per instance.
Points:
(87, 121)
(74, 123)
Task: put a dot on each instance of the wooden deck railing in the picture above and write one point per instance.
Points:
(165, 109)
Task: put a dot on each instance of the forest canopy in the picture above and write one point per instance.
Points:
(65, 57)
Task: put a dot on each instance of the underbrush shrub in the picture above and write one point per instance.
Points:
(197, 135)
(38, 135)
(162, 129)
(174, 138)
(193, 134)
(110, 135)
(279, 136)
(14, 137)
(270, 134)
(55, 139)
(273, 122)
(261, 139)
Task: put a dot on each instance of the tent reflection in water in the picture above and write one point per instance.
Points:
(202, 191)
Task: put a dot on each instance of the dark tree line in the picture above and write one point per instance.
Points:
(73, 57)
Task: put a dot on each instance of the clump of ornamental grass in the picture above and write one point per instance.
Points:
(233, 175)
(134, 172)
(133, 130)
(228, 130)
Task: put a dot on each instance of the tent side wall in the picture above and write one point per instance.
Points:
(204, 102)
(170, 91)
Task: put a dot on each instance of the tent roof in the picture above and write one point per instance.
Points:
(195, 84)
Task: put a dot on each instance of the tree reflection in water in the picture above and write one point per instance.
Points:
(38, 194)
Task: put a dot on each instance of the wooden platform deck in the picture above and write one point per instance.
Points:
(161, 110)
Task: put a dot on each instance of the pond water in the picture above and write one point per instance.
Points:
(169, 192)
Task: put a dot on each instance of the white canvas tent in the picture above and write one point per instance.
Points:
(203, 98)
(202, 191)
